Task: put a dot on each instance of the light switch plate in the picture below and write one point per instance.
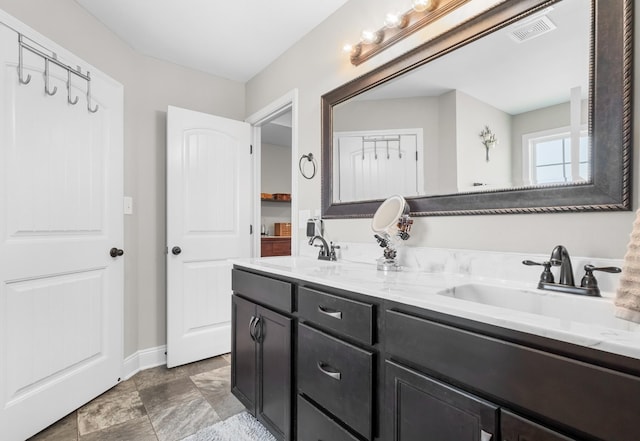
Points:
(128, 205)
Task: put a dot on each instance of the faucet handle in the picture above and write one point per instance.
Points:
(547, 275)
(606, 269)
(589, 280)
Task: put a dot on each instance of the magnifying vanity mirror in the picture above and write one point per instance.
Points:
(391, 223)
(524, 108)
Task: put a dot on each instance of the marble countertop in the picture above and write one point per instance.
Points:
(584, 321)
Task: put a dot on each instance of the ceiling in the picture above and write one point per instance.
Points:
(233, 39)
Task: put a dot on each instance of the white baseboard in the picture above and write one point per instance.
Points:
(144, 359)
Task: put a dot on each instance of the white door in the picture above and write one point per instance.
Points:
(61, 293)
(208, 221)
(377, 164)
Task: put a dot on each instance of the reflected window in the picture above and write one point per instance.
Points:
(549, 158)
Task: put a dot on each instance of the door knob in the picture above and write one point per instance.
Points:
(176, 250)
(115, 252)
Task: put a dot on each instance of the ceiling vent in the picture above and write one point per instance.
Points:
(532, 29)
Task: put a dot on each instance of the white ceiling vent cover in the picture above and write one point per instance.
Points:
(532, 29)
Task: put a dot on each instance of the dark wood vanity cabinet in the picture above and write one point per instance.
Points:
(261, 350)
(377, 370)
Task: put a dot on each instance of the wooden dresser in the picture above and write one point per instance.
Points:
(275, 246)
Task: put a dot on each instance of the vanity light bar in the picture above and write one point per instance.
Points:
(399, 26)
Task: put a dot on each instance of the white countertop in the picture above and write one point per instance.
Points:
(584, 321)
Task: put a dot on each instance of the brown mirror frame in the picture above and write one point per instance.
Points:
(610, 120)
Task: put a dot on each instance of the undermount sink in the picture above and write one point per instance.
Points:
(568, 307)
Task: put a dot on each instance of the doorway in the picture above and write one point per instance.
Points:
(275, 144)
(275, 187)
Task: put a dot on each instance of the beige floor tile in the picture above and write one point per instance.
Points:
(155, 376)
(215, 386)
(109, 409)
(173, 393)
(137, 429)
(184, 419)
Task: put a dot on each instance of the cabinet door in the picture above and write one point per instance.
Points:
(515, 428)
(243, 353)
(424, 409)
(274, 371)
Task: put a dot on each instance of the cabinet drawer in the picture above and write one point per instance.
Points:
(338, 376)
(348, 317)
(275, 246)
(281, 248)
(569, 392)
(263, 290)
(314, 425)
(515, 428)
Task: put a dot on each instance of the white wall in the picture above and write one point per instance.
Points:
(472, 116)
(315, 66)
(150, 86)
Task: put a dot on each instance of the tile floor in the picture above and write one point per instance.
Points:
(157, 404)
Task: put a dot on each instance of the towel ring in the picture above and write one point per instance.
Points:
(309, 157)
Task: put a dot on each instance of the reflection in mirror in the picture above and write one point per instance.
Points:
(526, 84)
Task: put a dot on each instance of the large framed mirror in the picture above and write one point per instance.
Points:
(525, 108)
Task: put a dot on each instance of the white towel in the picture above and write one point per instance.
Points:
(628, 294)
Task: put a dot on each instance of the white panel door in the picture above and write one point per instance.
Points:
(378, 164)
(60, 213)
(208, 221)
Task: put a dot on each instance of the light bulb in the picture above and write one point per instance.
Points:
(423, 5)
(347, 48)
(371, 37)
(368, 36)
(392, 20)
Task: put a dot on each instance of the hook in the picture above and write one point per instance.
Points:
(46, 80)
(69, 100)
(20, 64)
(89, 95)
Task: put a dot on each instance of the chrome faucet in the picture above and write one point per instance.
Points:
(326, 252)
(560, 257)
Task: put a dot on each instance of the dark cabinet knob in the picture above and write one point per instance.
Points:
(176, 250)
(115, 252)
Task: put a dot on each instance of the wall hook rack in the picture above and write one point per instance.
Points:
(48, 60)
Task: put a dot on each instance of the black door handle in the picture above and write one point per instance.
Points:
(176, 250)
(115, 252)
